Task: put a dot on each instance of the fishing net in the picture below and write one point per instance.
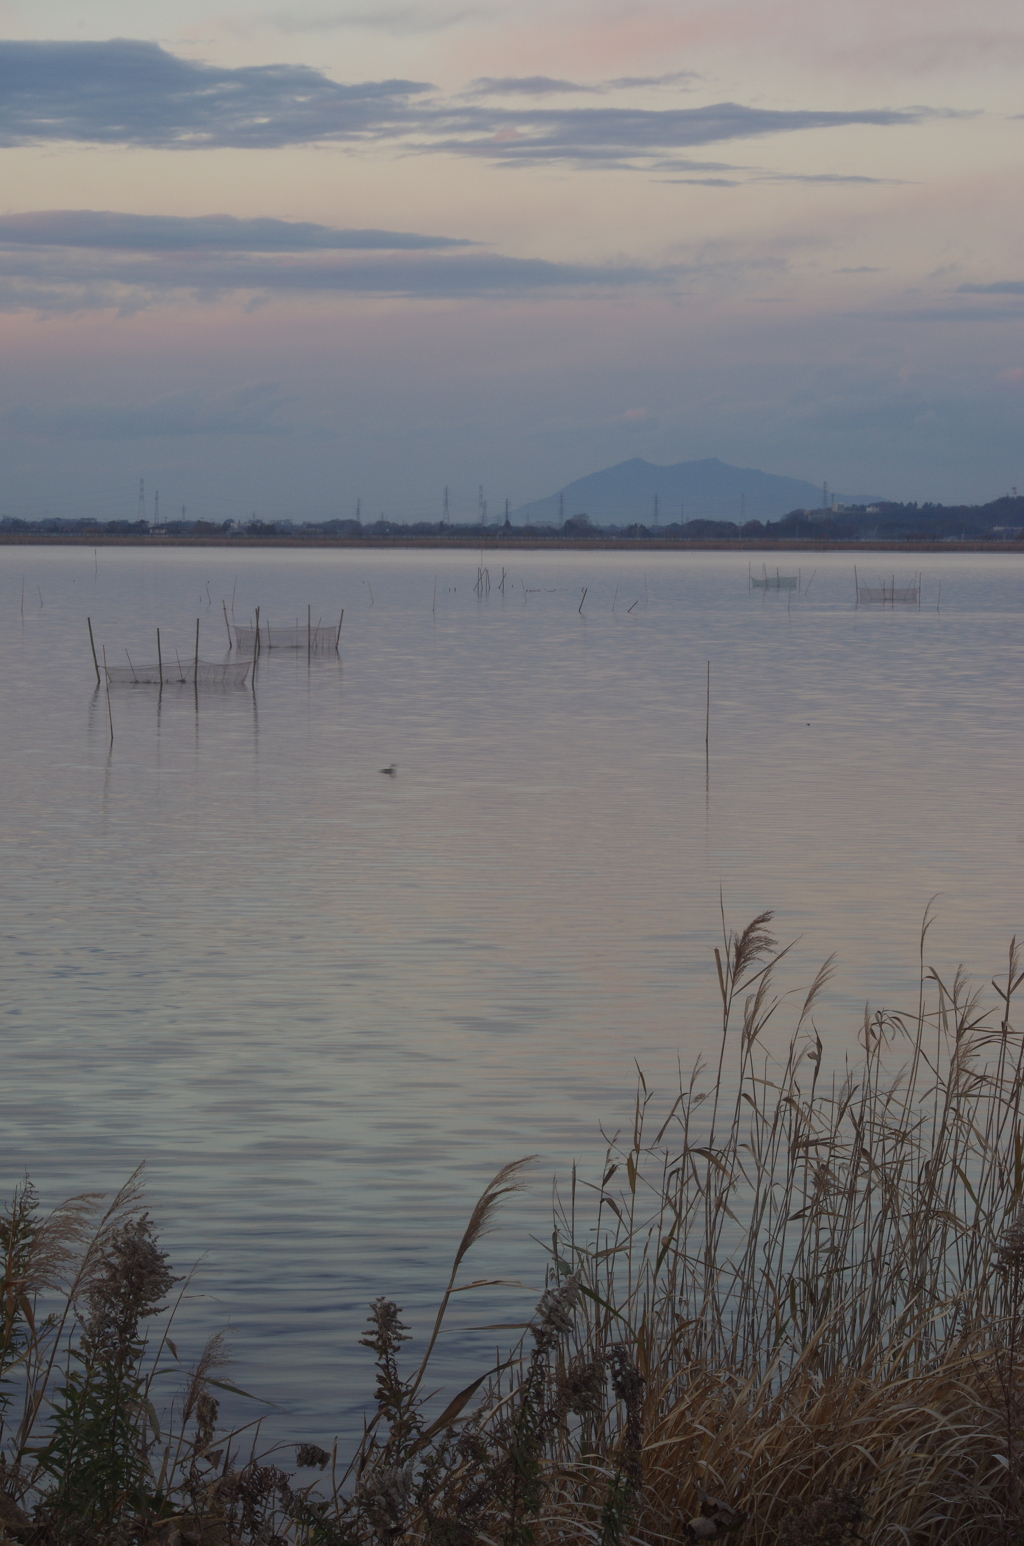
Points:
(888, 594)
(775, 582)
(320, 636)
(203, 673)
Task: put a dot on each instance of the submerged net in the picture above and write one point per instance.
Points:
(887, 594)
(203, 673)
(321, 636)
(776, 582)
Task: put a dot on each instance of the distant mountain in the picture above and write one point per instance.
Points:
(687, 491)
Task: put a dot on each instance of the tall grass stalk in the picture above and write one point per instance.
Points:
(789, 1308)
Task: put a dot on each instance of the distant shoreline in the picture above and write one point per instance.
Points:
(513, 544)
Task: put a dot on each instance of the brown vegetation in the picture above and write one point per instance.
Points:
(790, 1310)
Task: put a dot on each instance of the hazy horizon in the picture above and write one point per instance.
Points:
(281, 260)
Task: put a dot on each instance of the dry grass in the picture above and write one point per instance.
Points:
(791, 1310)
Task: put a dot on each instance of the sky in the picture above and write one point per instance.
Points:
(281, 258)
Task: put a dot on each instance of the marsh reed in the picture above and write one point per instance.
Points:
(789, 1307)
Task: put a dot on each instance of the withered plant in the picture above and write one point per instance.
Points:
(788, 1309)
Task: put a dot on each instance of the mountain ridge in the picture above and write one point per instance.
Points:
(705, 489)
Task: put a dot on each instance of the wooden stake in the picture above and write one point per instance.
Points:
(309, 630)
(707, 715)
(255, 645)
(159, 660)
(110, 716)
(227, 625)
(583, 599)
(92, 646)
(195, 671)
(337, 636)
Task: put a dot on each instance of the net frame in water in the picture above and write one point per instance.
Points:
(774, 581)
(196, 673)
(255, 637)
(890, 595)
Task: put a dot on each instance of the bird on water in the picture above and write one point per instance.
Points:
(391, 771)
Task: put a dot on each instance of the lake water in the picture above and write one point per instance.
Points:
(324, 1004)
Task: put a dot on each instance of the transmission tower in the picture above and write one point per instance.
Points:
(156, 508)
(483, 507)
(446, 519)
(359, 511)
(824, 496)
(141, 513)
(657, 520)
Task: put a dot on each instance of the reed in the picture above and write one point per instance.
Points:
(788, 1308)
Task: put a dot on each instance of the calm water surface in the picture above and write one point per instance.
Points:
(324, 1005)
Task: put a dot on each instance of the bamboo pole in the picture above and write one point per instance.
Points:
(255, 645)
(92, 646)
(195, 669)
(227, 625)
(707, 716)
(159, 660)
(110, 716)
(131, 667)
(337, 636)
(309, 630)
(583, 599)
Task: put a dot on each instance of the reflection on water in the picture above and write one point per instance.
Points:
(325, 1005)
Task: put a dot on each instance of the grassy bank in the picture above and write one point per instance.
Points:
(789, 1308)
